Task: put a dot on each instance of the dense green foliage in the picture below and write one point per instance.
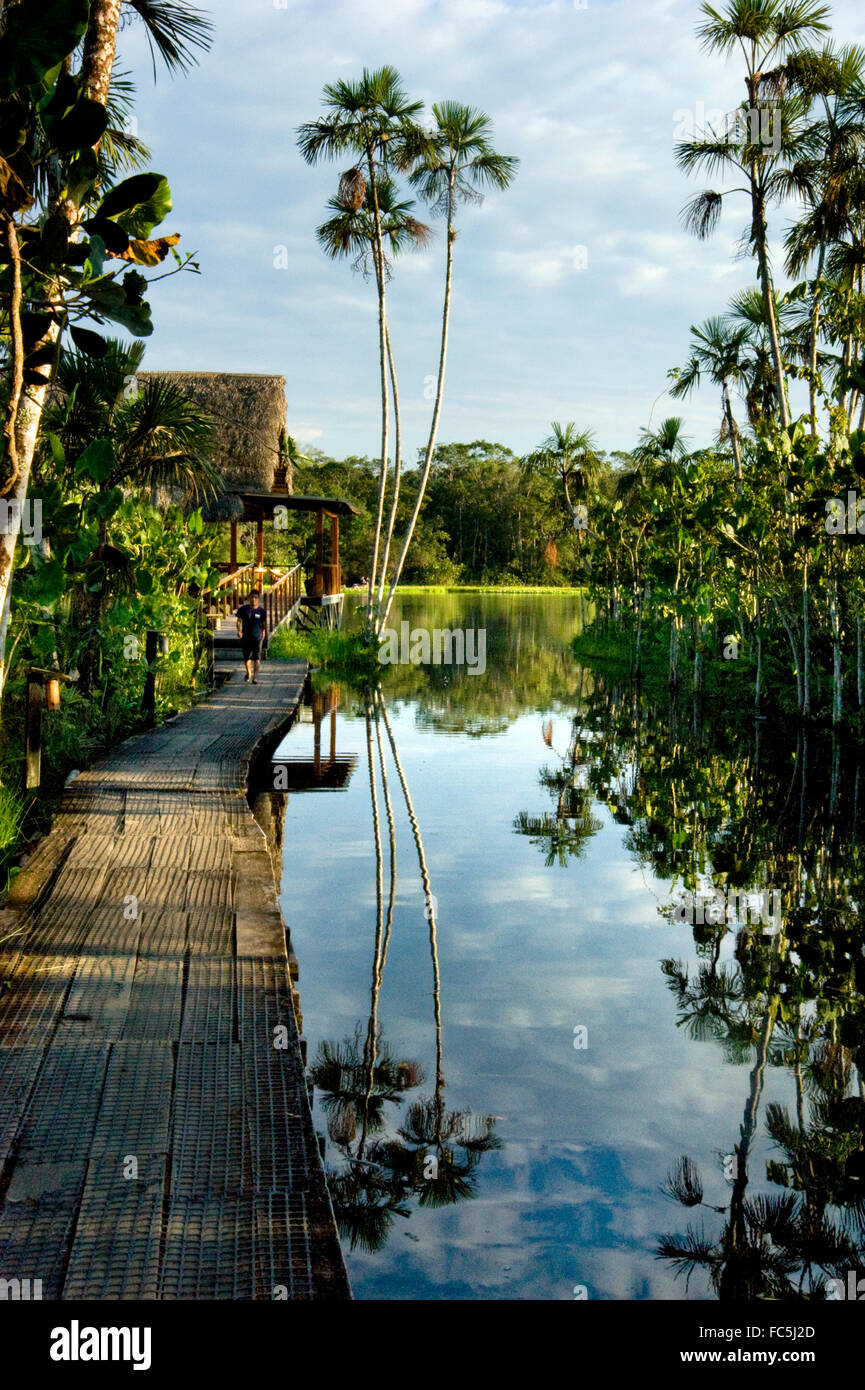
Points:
(94, 548)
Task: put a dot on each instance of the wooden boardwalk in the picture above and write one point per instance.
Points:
(155, 1130)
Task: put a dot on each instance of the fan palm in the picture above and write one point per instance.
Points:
(159, 436)
(748, 310)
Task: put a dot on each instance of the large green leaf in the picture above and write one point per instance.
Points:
(81, 127)
(38, 36)
(105, 504)
(82, 175)
(114, 237)
(139, 223)
(139, 203)
(92, 344)
(47, 582)
(98, 460)
(111, 301)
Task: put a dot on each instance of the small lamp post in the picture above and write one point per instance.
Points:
(154, 642)
(43, 692)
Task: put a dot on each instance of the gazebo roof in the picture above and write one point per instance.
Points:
(248, 414)
(258, 503)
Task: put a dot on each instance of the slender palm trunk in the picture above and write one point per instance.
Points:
(815, 333)
(835, 625)
(734, 1282)
(431, 442)
(371, 1044)
(733, 430)
(638, 653)
(397, 470)
(378, 258)
(758, 225)
(787, 624)
(758, 682)
(391, 831)
(806, 645)
(430, 908)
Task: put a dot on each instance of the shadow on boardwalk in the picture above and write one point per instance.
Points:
(155, 1130)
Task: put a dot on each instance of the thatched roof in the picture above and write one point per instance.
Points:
(248, 412)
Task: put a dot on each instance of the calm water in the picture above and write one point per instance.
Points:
(549, 1044)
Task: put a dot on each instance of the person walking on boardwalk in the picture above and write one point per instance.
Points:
(252, 630)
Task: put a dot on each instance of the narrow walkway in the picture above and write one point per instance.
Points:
(155, 1130)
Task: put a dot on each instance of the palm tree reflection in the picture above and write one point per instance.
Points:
(563, 833)
(432, 1157)
(730, 813)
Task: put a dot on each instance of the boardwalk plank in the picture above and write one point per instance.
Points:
(155, 1127)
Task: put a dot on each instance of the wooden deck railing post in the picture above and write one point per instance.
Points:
(37, 700)
(148, 703)
(33, 736)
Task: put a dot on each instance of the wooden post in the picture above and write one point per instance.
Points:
(259, 542)
(336, 578)
(209, 657)
(33, 744)
(233, 554)
(318, 581)
(148, 704)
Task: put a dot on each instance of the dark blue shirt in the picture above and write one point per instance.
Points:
(253, 621)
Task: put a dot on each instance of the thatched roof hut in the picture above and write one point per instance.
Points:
(248, 412)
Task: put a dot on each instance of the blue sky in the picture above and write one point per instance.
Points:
(574, 291)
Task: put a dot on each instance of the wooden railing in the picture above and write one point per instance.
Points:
(282, 595)
(226, 597)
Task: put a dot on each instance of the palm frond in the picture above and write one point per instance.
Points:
(174, 32)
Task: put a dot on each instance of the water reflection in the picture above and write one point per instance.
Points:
(565, 822)
(716, 820)
(432, 1154)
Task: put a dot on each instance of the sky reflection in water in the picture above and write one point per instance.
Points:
(528, 950)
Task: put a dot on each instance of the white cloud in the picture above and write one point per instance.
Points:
(585, 97)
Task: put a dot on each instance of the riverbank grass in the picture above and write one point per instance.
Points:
(329, 649)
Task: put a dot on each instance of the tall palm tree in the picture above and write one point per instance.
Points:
(765, 32)
(373, 121)
(458, 164)
(829, 174)
(351, 231)
(717, 351)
